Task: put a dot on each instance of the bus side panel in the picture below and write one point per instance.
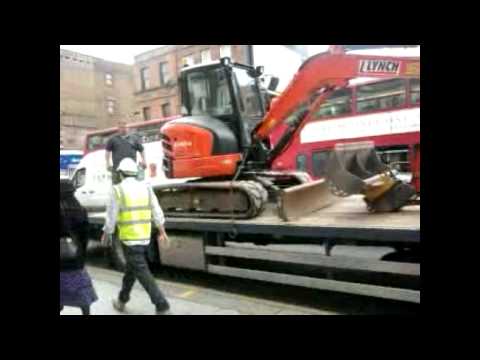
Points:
(416, 168)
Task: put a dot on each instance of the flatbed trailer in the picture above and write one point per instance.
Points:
(341, 248)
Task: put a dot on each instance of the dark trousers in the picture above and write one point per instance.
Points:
(137, 268)
(116, 177)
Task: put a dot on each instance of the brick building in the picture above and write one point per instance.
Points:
(94, 94)
(156, 74)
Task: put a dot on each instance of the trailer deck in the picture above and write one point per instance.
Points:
(346, 218)
(206, 247)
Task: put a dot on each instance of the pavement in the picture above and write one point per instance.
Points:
(184, 300)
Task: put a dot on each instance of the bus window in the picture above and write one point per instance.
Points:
(149, 133)
(415, 91)
(395, 157)
(301, 163)
(97, 141)
(319, 160)
(381, 95)
(339, 103)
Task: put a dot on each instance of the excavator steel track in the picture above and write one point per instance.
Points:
(222, 199)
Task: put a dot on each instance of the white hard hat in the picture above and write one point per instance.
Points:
(128, 166)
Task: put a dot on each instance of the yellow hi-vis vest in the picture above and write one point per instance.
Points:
(135, 215)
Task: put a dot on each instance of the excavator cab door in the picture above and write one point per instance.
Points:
(248, 100)
(228, 92)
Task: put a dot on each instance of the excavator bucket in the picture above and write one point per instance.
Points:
(355, 168)
(297, 201)
(350, 164)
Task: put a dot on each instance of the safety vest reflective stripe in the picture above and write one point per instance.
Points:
(134, 218)
(139, 240)
(133, 222)
(132, 208)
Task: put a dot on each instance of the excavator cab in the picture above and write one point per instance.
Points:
(229, 92)
(221, 104)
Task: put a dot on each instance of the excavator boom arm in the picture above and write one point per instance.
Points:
(331, 70)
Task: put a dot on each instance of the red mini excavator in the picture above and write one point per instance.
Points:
(222, 142)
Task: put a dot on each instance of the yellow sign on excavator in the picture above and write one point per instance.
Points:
(413, 69)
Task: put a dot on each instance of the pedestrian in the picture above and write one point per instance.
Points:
(122, 146)
(76, 288)
(131, 208)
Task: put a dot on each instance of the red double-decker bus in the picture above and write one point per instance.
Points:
(386, 112)
(148, 131)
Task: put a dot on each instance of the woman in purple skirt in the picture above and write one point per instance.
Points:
(76, 288)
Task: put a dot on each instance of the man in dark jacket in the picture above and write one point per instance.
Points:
(121, 146)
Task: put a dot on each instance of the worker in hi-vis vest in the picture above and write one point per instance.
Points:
(131, 208)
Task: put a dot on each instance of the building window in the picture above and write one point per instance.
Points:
(164, 77)
(187, 60)
(166, 110)
(111, 106)
(381, 95)
(225, 51)
(205, 56)
(302, 163)
(145, 78)
(108, 79)
(415, 91)
(146, 113)
(339, 103)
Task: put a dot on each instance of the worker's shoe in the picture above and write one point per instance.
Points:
(163, 309)
(118, 305)
(163, 312)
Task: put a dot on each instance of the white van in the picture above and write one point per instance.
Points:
(93, 182)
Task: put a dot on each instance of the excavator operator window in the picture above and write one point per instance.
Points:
(249, 98)
(208, 93)
(249, 93)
